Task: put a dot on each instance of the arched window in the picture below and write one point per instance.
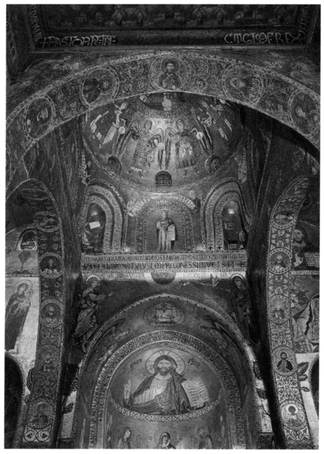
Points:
(163, 180)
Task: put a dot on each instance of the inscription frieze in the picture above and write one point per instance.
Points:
(133, 263)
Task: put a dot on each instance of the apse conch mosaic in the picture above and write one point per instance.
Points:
(176, 393)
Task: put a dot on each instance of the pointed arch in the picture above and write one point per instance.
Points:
(102, 372)
(264, 90)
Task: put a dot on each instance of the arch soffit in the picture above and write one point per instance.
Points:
(251, 85)
(278, 297)
(56, 297)
(220, 315)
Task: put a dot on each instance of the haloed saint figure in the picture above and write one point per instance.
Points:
(166, 233)
(169, 79)
(16, 313)
(160, 394)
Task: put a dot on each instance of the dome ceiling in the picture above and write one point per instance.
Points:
(164, 139)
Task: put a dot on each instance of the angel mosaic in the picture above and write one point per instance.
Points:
(164, 143)
(217, 120)
(109, 132)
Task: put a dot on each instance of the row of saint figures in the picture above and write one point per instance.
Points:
(165, 230)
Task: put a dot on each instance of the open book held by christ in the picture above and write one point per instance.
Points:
(197, 392)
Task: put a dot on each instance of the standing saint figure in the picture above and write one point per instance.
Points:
(166, 233)
(87, 321)
(16, 313)
(160, 394)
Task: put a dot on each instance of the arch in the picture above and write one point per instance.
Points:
(159, 339)
(117, 324)
(220, 314)
(107, 199)
(143, 215)
(264, 90)
(278, 282)
(213, 205)
(48, 369)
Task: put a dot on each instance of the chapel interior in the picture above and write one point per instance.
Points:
(162, 226)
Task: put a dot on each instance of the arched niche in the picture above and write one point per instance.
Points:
(14, 393)
(148, 226)
(215, 349)
(110, 203)
(225, 194)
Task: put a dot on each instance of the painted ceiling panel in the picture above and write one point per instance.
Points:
(105, 25)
